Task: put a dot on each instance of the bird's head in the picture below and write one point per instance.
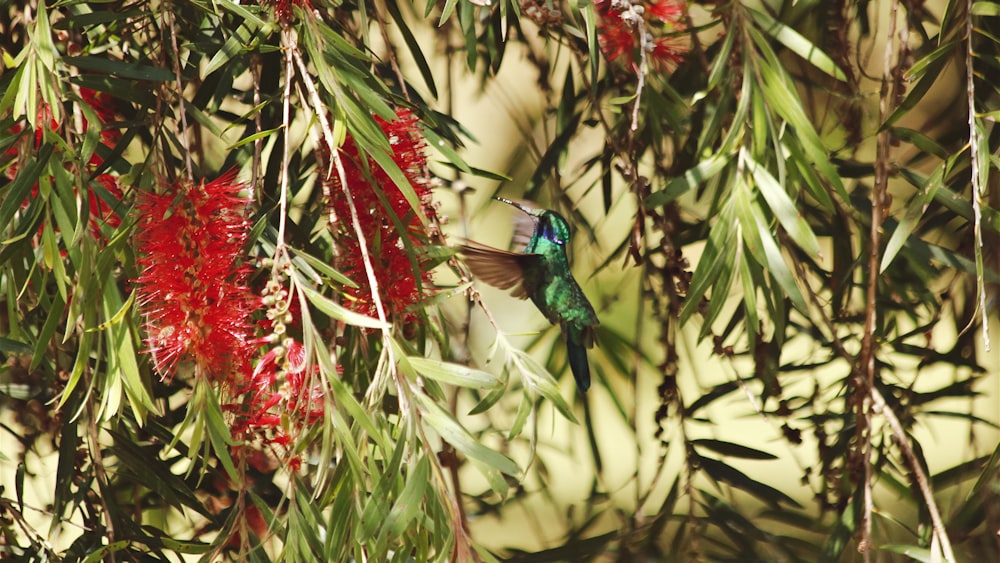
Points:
(548, 224)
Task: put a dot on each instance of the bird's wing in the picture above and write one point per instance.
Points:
(524, 229)
(499, 268)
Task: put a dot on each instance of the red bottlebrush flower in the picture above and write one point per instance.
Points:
(669, 50)
(295, 357)
(107, 112)
(666, 11)
(283, 8)
(103, 206)
(14, 153)
(623, 21)
(377, 199)
(616, 41)
(192, 284)
(279, 400)
(255, 524)
(100, 210)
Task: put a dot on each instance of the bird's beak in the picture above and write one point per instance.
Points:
(526, 209)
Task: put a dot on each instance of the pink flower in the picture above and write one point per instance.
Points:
(192, 284)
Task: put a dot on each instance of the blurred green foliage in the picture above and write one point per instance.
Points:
(788, 214)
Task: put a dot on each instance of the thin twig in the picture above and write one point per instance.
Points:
(257, 177)
(461, 343)
(865, 380)
(324, 123)
(379, 13)
(978, 188)
(644, 48)
(879, 406)
(288, 39)
(185, 142)
(97, 458)
(923, 483)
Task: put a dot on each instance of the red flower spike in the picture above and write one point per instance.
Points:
(622, 22)
(192, 284)
(295, 358)
(283, 8)
(107, 112)
(279, 400)
(400, 285)
(666, 11)
(617, 41)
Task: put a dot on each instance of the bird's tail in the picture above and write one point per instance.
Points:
(577, 354)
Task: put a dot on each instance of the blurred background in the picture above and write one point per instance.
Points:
(721, 172)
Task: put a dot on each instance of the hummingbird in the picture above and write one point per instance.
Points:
(542, 273)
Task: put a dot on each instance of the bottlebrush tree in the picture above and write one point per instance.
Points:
(234, 324)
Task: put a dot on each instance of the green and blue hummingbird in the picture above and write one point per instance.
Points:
(542, 273)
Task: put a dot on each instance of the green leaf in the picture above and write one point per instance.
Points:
(18, 190)
(234, 45)
(914, 212)
(747, 276)
(408, 504)
(797, 43)
(553, 154)
(493, 396)
(182, 546)
(718, 257)
(925, 62)
(309, 264)
(148, 471)
(524, 409)
(779, 269)
(841, 536)
(328, 307)
(913, 551)
(983, 8)
(916, 92)
(79, 365)
(56, 312)
(439, 144)
(704, 170)
(452, 374)
(732, 450)
(243, 12)
(783, 100)
(104, 551)
(123, 357)
(783, 208)
(921, 141)
(11, 346)
(7, 103)
(746, 216)
(593, 46)
(120, 69)
(218, 430)
(455, 434)
(413, 47)
(538, 379)
(725, 473)
(117, 317)
(251, 138)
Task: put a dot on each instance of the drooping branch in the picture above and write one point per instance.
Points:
(980, 171)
